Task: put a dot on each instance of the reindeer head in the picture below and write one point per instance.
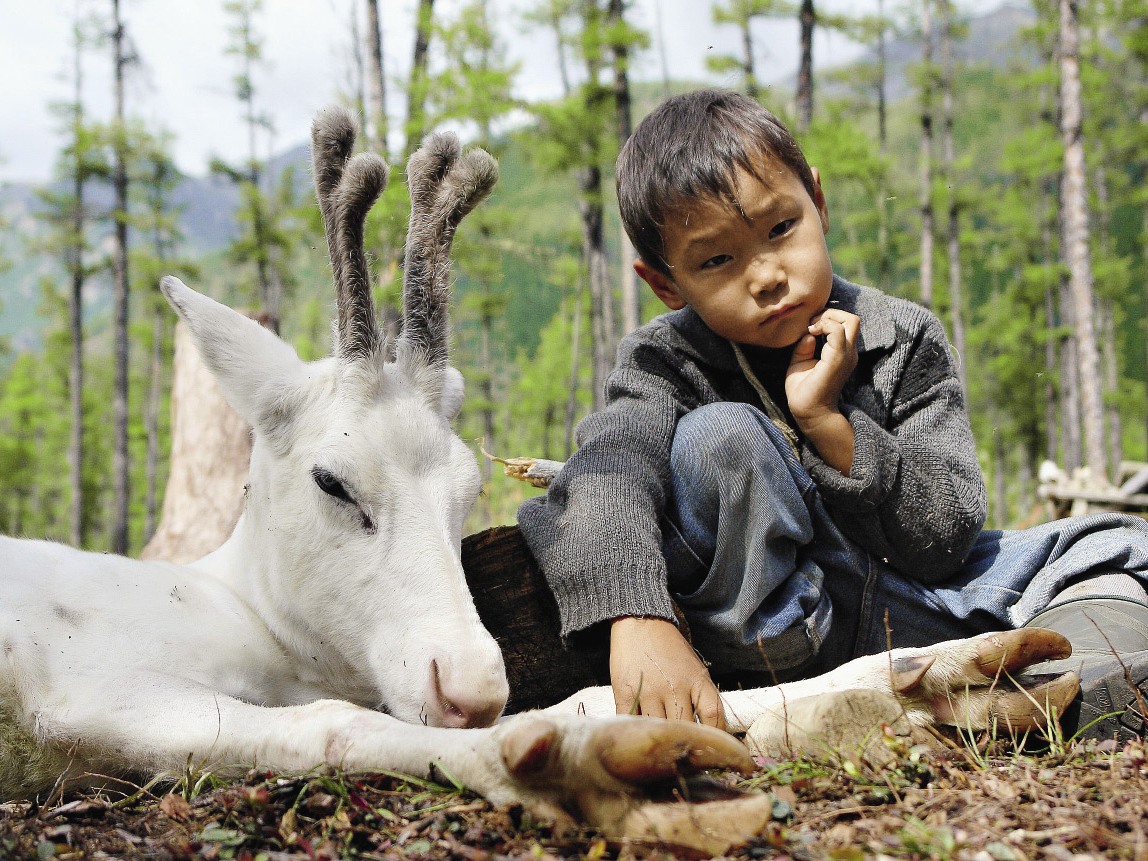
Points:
(350, 542)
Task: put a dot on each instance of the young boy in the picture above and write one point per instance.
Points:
(786, 462)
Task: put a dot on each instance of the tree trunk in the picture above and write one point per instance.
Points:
(956, 297)
(1106, 328)
(602, 324)
(885, 265)
(210, 452)
(356, 75)
(751, 88)
(151, 421)
(1000, 491)
(1051, 372)
(926, 186)
(76, 321)
(1069, 387)
(376, 81)
(417, 88)
(624, 126)
(486, 394)
(1074, 203)
(121, 466)
(572, 390)
(808, 20)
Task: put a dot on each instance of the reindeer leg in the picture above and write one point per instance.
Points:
(602, 772)
(967, 683)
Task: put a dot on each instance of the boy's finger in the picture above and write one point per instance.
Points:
(626, 700)
(805, 349)
(843, 317)
(654, 707)
(709, 708)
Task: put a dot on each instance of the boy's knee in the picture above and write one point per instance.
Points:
(719, 436)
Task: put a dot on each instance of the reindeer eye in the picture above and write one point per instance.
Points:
(330, 485)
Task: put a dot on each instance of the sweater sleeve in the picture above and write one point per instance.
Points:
(596, 533)
(915, 494)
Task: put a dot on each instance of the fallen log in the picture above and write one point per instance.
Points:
(517, 607)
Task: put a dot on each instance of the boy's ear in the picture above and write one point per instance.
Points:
(662, 285)
(819, 200)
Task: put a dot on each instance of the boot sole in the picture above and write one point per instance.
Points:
(1109, 707)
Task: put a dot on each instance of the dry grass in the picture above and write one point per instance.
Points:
(972, 803)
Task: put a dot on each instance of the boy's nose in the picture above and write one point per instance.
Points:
(765, 276)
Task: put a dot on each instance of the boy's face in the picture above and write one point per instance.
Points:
(756, 278)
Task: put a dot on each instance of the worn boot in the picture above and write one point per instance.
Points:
(1109, 637)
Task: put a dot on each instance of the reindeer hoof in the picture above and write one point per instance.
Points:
(1035, 707)
(644, 750)
(1006, 652)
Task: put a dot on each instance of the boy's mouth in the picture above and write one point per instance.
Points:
(780, 313)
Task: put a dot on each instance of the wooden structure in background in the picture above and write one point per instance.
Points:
(1080, 494)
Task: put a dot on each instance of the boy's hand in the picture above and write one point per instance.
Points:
(813, 385)
(655, 672)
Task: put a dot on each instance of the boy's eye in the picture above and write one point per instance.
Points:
(782, 228)
(716, 260)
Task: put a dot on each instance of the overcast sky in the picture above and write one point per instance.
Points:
(184, 80)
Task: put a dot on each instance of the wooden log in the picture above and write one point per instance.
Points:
(517, 607)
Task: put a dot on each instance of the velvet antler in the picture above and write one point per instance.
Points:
(347, 187)
(444, 187)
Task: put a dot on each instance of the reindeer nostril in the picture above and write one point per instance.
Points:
(470, 705)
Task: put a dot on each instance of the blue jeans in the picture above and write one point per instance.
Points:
(769, 583)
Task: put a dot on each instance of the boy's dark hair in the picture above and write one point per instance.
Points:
(689, 148)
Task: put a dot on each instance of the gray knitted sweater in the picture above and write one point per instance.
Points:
(915, 495)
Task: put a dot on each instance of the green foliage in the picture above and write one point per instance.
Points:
(520, 280)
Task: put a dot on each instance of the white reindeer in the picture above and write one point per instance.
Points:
(334, 626)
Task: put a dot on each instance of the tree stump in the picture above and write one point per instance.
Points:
(210, 453)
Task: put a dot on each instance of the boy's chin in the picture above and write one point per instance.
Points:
(768, 343)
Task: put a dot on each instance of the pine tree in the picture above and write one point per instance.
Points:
(1074, 202)
(155, 180)
(476, 87)
(577, 138)
(417, 86)
(953, 232)
(807, 20)
(67, 217)
(121, 465)
(623, 40)
(926, 153)
(265, 213)
(741, 14)
(377, 126)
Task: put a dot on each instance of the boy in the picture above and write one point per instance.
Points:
(785, 460)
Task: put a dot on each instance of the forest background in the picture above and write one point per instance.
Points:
(987, 163)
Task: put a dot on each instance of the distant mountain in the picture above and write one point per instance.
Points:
(209, 203)
(992, 38)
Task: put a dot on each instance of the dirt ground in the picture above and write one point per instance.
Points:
(959, 803)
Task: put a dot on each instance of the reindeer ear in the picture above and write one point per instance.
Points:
(453, 392)
(258, 372)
